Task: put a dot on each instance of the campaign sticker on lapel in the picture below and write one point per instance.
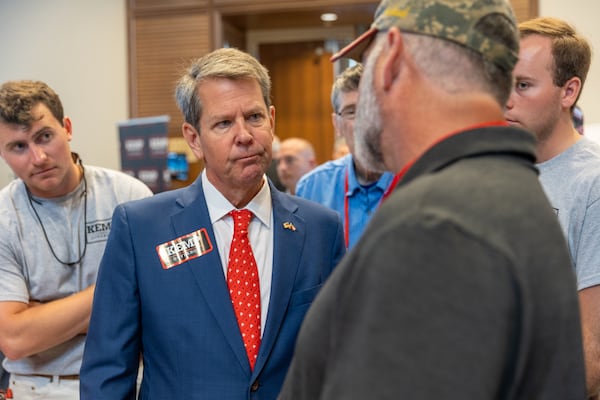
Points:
(184, 248)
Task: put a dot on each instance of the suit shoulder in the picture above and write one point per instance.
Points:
(153, 206)
(311, 208)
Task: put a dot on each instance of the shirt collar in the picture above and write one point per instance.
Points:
(353, 185)
(219, 206)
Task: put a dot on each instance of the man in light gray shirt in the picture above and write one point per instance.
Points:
(54, 222)
(553, 64)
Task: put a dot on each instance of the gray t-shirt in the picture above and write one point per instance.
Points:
(29, 270)
(571, 181)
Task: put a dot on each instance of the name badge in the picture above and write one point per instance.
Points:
(184, 248)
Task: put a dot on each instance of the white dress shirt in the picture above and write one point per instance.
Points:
(260, 233)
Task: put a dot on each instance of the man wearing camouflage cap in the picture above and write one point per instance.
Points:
(461, 286)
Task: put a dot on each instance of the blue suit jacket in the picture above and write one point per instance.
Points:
(181, 319)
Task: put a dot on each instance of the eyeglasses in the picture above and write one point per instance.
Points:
(347, 113)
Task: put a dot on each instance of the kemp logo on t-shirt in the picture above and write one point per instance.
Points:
(97, 231)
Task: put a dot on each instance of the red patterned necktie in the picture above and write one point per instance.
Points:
(244, 288)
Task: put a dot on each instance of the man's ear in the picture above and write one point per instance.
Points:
(335, 122)
(192, 137)
(68, 127)
(391, 54)
(570, 92)
(272, 118)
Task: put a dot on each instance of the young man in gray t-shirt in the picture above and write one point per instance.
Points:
(54, 222)
(548, 84)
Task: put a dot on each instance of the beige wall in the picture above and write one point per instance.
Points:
(79, 47)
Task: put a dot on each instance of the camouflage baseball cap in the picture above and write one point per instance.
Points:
(453, 20)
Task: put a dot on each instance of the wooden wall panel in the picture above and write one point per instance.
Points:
(302, 79)
(143, 6)
(245, 6)
(525, 9)
(164, 47)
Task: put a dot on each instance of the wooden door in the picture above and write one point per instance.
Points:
(302, 76)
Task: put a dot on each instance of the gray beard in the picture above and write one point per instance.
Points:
(368, 124)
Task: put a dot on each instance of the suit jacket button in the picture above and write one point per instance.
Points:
(254, 386)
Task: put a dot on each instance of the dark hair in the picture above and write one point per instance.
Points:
(18, 98)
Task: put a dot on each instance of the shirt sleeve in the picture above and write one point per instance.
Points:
(13, 284)
(585, 245)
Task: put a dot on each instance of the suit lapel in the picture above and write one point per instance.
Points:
(288, 237)
(207, 269)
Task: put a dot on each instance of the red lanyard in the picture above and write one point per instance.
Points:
(346, 211)
(394, 182)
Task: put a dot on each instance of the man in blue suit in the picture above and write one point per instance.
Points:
(162, 292)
